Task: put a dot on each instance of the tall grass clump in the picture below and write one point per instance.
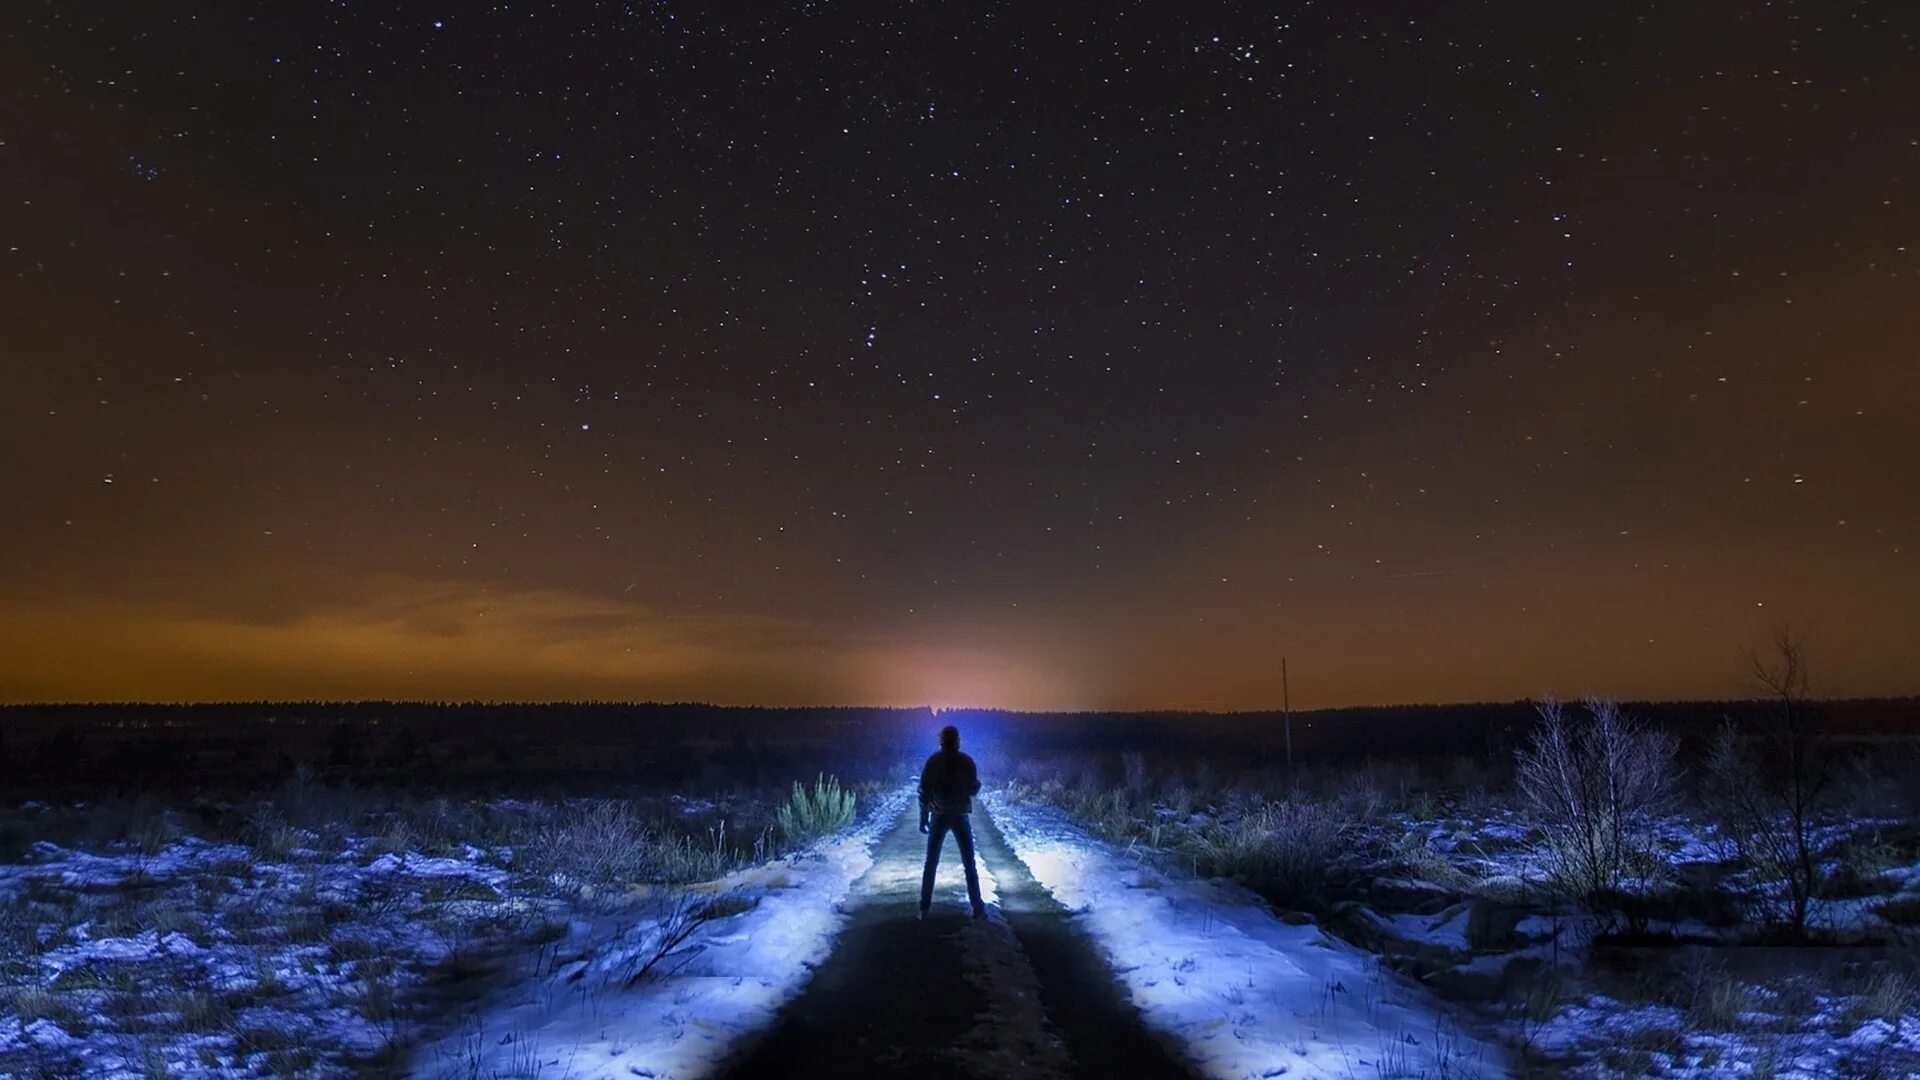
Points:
(1287, 850)
(596, 844)
(807, 815)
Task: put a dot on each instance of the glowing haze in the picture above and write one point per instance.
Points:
(1023, 355)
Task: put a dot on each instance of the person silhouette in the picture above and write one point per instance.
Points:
(948, 783)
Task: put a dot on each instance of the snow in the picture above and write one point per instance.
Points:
(329, 944)
(293, 942)
(587, 1019)
(1244, 993)
(1585, 1032)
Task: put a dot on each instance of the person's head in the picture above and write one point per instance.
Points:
(949, 738)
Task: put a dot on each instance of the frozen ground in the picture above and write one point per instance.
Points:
(585, 1009)
(1719, 1007)
(1246, 994)
(204, 959)
(329, 930)
(1452, 890)
(322, 952)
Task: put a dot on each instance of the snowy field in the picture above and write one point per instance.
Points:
(1711, 1007)
(1244, 992)
(329, 934)
(724, 959)
(1455, 892)
(205, 959)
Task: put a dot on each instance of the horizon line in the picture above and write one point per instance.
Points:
(919, 706)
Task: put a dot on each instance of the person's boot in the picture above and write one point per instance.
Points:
(923, 914)
(979, 911)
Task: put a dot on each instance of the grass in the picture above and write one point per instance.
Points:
(1329, 834)
(1724, 1004)
(36, 1003)
(195, 1010)
(1289, 847)
(99, 975)
(397, 838)
(1287, 850)
(1887, 995)
(291, 913)
(1545, 996)
(271, 837)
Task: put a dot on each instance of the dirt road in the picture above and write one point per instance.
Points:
(1019, 994)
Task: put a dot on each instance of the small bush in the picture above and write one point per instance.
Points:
(1769, 791)
(1594, 787)
(594, 845)
(809, 815)
(1287, 851)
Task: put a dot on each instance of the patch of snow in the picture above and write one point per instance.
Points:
(587, 1021)
(1244, 993)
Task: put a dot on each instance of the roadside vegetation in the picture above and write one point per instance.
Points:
(1613, 902)
(322, 929)
(811, 813)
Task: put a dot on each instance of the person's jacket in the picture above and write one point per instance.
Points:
(948, 783)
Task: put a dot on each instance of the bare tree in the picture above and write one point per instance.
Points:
(1594, 787)
(1769, 789)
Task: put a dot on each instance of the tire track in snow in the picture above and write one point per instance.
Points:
(1019, 994)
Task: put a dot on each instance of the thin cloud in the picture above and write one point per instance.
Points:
(397, 637)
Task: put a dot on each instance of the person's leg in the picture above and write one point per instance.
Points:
(963, 835)
(936, 835)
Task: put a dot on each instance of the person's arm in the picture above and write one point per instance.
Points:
(973, 779)
(924, 770)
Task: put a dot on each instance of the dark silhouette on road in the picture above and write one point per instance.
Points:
(948, 783)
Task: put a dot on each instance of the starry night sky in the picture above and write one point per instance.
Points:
(1028, 354)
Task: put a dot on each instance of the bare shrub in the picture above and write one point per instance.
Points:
(1768, 789)
(667, 942)
(592, 845)
(1286, 850)
(810, 814)
(1594, 787)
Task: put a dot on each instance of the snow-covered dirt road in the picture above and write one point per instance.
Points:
(1019, 994)
(1088, 965)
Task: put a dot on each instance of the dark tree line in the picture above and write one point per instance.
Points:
(54, 747)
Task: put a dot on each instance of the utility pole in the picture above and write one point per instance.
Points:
(1286, 715)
